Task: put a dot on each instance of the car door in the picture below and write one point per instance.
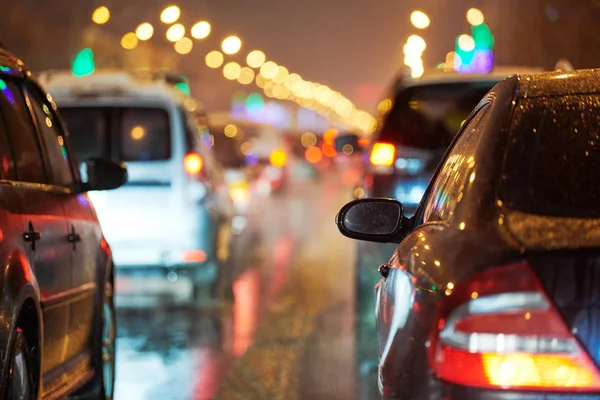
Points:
(395, 294)
(83, 230)
(43, 227)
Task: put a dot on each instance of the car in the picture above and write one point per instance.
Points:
(493, 289)
(420, 117)
(58, 316)
(167, 224)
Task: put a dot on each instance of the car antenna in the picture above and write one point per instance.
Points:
(563, 65)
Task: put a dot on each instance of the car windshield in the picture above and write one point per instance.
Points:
(553, 158)
(137, 134)
(428, 116)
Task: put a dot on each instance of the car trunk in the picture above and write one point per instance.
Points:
(571, 279)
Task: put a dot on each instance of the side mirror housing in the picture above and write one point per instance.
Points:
(104, 175)
(375, 220)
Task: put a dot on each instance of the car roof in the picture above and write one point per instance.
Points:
(438, 77)
(108, 83)
(559, 83)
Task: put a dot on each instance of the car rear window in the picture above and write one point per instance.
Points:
(428, 116)
(552, 159)
(133, 133)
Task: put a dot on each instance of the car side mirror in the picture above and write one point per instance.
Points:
(374, 220)
(104, 175)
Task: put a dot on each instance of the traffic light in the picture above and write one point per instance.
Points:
(480, 57)
(184, 88)
(83, 64)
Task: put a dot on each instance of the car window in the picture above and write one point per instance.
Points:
(7, 164)
(145, 134)
(53, 140)
(21, 133)
(88, 130)
(449, 183)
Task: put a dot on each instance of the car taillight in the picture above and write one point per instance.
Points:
(499, 330)
(383, 154)
(193, 164)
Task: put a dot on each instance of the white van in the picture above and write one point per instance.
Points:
(166, 225)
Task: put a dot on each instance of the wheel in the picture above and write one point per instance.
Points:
(102, 385)
(19, 384)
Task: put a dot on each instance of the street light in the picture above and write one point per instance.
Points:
(170, 14)
(129, 41)
(231, 45)
(256, 59)
(184, 45)
(214, 59)
(101, 15)
(419, 19)
(144, 31)
(175, 33)
(475, 17)
(200, 30)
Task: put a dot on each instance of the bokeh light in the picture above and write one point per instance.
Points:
(129, 41)
(328, 150)
(278, 158)
(261, 81)
(256, 59)
(291, 80)
(214, 59)
(384, 105)
(246, 76)
(246, 148)
(175, 33)
(415, 43)
(348, 149)
(170, 14)
(313, 155)
(282, 74)
(184, 45)
(232, 70)
(144, 31)
(308, 139)
(475, 16)
(453, 60)
(101, 15)
(466, 43)
(269, 70)
(200, 30)
(231, 45)
(419, 19)
(230, 131)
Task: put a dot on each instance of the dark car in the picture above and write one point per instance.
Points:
(494, 289)
(58, 321)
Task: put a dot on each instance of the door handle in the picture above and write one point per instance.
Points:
(31, 236)
(74, 237)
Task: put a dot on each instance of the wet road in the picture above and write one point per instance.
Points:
(289, 333)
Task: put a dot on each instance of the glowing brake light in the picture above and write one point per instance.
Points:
(193, 163)
(383, 154)
(499, 330)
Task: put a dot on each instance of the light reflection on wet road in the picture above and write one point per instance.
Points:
(290, 332)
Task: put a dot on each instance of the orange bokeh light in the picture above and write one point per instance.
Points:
(328, 149)
(329, 136)
(313, 155)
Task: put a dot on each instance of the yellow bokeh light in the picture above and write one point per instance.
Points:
(291, 80)
(256, 59)
(269, 91)
(466, 43)
(232, 70)
(308, 139)
(475, 17)
(324, 96)
(184, 46)
(144, 31)
(416, 44)
(453, 60)
(246, 148)
(231, 45)
(246, 76)
(175, 33)
(344, 107)
(170, 14)
(129, 41)
(419, 19)
(138, 132)
(280, 92)
(278, 158)
(261, 81)
(214, 59)
(101, 15)
(417, 71)
(269, 70)
(230, 131)
(384, 105)
(282, 74)
(200, 30)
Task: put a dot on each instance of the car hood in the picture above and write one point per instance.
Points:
(543, 232)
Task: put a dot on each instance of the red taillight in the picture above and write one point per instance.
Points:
(193, 163)
(383, 154)
(499, 330)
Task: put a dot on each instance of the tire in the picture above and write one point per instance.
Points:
(102, 385)
(19, 380)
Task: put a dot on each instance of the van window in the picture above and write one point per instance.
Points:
(145, 135)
